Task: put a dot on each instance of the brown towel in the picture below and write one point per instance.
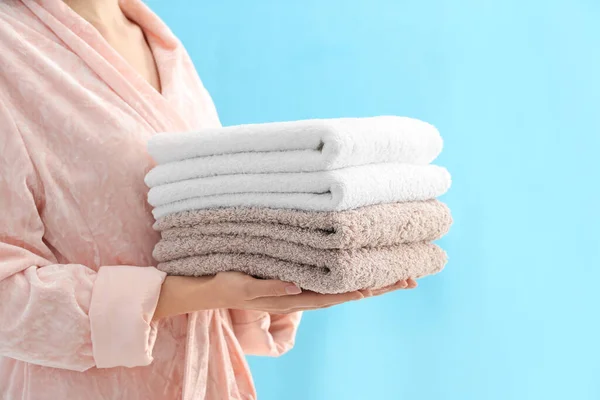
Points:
(348, 271)
(372, 226)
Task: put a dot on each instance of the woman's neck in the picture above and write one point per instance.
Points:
(103, 14)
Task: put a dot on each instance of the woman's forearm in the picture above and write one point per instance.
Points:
(181, 295)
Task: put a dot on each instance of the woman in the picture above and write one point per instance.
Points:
(84, 314)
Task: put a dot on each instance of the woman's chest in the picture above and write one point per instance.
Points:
(85, 129)
(90, 157)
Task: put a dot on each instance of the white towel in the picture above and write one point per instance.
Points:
(336, 190)
(299, 146)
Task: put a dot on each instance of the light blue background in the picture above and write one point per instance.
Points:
(514, 88)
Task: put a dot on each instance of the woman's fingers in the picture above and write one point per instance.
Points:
(305, 300)
(398, 285)
(317, 300)
(283, 297)
(403, 284)
(322, 300)
(257, 288)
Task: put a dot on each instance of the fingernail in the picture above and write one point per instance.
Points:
(403, 284)
(293, 289)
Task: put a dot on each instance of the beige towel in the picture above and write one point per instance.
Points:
(325, 271)
(371, 226)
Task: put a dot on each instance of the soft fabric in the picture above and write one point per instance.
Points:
(295, 146)
(324, 271)
(371, 226)
(336, 190)
(78, 285)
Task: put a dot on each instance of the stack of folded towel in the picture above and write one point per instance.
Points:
(332, 205)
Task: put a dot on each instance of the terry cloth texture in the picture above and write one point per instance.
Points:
(324, 271)
(336, 190)
(297, 146)
(371, 226)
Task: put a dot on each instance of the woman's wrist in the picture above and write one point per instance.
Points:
(182, 295)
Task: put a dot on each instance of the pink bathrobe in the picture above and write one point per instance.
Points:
(78, 286)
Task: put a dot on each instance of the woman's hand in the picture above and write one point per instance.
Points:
(181, 295)
(406, 284)
(243, 292)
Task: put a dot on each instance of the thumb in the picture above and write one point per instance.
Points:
(257, 288)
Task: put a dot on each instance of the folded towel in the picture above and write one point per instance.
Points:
(336, 190)
(299, 146)
(371, 226)
(353, 271)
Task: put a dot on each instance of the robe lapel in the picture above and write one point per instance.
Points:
(88, 44)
